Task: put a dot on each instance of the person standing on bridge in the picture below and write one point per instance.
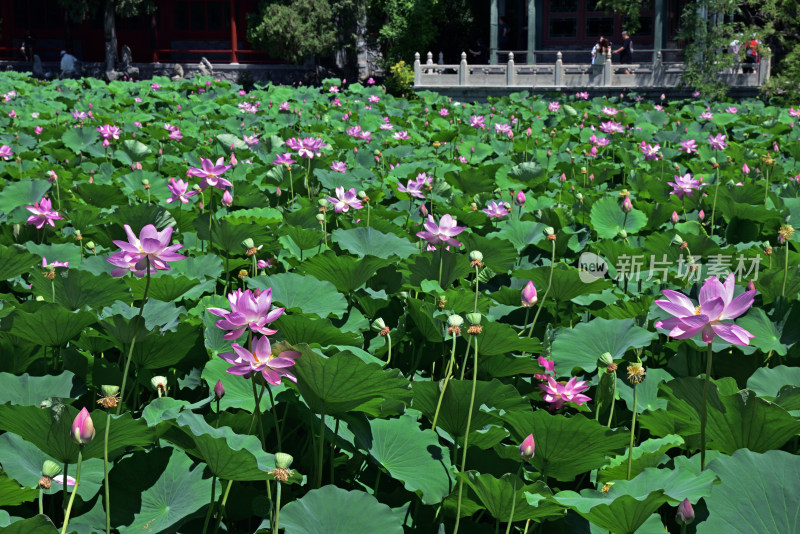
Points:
(625, 51)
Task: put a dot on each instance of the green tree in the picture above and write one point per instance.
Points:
(403, 27)
(293, 30)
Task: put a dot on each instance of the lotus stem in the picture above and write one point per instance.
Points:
(222, 505)
(210, 504)
(291, 186)
(766, 185)
(613, 398)
(307, 181)
(389, 357)
(64, 488)
(441, 261)
(714, 204)
(477, 282)
(106, 486)
(274, 417)
(74, 491)
(466, 435)
(527, 524)
(633, 429)
(447, 375)
(549, 284)
(277, 508)
(41, 501)
(321, 446)
(513, 502)
(785, 268)
(133, 341)
(704, 413)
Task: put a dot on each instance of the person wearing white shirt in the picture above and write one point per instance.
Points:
(68, 62)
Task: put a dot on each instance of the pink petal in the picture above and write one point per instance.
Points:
(733, 333)
(739, 305)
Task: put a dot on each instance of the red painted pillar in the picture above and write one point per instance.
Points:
(154, 37)
(234, 37)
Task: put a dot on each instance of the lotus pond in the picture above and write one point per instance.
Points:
(319, 310)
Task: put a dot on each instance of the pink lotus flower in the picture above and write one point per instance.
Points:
(151, 246)
(611, 112)
(308, 147)
(249, 309)
(261, 360)
(707, 115)
(79, 115)
(444, 112)
(611, 127)
(443, 233)
(400, 136)
(688, 146)
(343, 201)
(284, 159)
(5, 152)
(495, 210)
(82, 428)
(528, 295)
(650, 151)
(176, 135)
(732, 109)
(54, 264)
(556, 393)
(333, 89)
(284, 106)
(43, 213)
(250, 140)
(583, 94)
(373, 99)
(527, 448)
(59, 480)
(503, 129)
(547, 365)
(413, 188)
(745, 169)
(717, 142)
(794, 112)
(108, 131)
(717, 304)
(155, 86)
(339, 166)
(211, 173)
(684, 185)
(553, 106)
(38, 130)
(477, 121)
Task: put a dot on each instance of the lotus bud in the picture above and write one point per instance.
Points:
(423, 210)
(527, 448)
(685, 514)
(403, 295)
(283, 460)
(623, 234)
(519, 198)
(674, 217)
(455, 320)
(234, 162)
(627, 205)
(529, 296)
(579, 196)
(751, 286)
(745, 169)
(227, 199)
(82, 428)
(219, 390)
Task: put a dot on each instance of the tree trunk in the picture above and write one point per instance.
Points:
(110, 30)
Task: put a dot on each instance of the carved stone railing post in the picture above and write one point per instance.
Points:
(462, 70)
(607, 69)
(429, 60)
(658, 70)
(417, 69)
(441, 58)
(559, 71)
(511, 76)
(764, 68)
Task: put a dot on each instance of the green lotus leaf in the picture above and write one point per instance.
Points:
(771, 500)
(76, 289)
(343, 382)
(344, 272)
(38, 524)
(50, 324)
(498, 495)
(365, 241)
(306, 294)
(409, 454)
(608, 219)
(26, 390)
(332, 510)
(565, 446)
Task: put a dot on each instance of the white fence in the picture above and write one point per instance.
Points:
(655, 74)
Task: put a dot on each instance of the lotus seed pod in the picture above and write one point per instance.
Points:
(476, 255)
(283, 460)
(455, 320)
(50, 468)
(474, 318)
(378, 324)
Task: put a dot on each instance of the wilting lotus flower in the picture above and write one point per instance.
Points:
(495, 210)
(557, 393)
(180, 191)
(248, 310)
(43, 213)
(151, 245)
(528, 296)
(685, 514)
(527, 448)
(82, 428)
(211, 173)
(716, 305)
(343, 201)
(271, 367)
(442, 234)
(684, 185)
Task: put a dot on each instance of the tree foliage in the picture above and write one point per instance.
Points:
(293, 30)
(403, 27)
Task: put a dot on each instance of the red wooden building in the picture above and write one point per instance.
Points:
(179, 31)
